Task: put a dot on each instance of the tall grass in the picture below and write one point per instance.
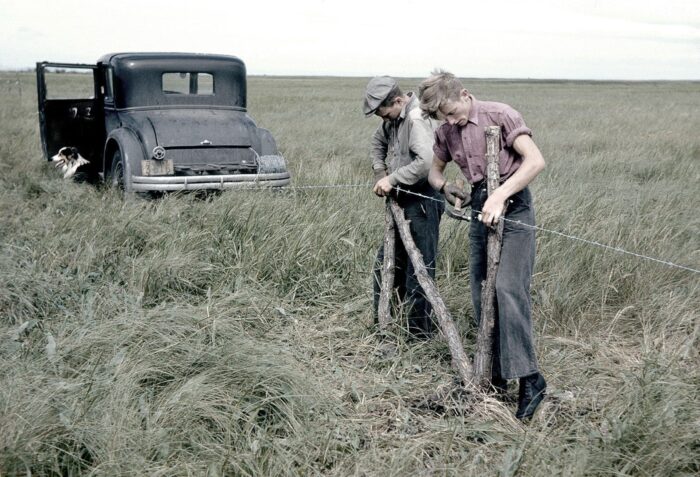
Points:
(232, 334)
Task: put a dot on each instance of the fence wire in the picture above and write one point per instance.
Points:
(476, 212)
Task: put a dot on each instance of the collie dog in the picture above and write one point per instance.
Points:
(68, 159)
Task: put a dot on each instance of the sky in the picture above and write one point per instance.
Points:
(566, 39)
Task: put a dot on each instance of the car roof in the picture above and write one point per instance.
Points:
(169, 58)
(138, 78)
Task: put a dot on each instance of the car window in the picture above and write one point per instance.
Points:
(188, 83)
(69, 83)
(109, 86)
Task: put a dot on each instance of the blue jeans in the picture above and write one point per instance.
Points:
(424, 216)
(514, 350)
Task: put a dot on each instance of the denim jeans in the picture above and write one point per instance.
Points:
(514, 350)
(424, 216)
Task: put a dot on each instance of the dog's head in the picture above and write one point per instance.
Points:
(66, 154)
(68, 160)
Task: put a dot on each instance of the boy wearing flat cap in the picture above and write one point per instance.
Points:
(401, 153)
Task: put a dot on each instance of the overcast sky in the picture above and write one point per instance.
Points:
(594, 39)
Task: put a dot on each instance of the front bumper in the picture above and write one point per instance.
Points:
(220, 182)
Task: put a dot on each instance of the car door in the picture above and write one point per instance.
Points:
(71, 112)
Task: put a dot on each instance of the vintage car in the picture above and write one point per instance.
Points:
(160, 122)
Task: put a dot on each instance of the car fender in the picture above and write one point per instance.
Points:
(131, 150)
(268, 146)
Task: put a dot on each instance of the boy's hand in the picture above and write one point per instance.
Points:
(452, 193)
(383, 187)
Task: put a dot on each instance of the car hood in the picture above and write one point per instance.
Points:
(198, 127)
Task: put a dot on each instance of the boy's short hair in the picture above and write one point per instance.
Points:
(437, 90)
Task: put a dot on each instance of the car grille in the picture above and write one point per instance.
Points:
(213, 161)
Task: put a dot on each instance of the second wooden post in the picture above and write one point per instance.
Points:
(460, 361)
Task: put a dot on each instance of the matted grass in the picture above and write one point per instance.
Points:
(232, 335)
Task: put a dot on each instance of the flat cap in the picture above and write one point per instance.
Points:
(376, 92)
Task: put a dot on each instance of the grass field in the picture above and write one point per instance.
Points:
(232, 335)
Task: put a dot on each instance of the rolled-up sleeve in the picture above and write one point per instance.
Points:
(440, 148)
(513, 126)
(378, 149)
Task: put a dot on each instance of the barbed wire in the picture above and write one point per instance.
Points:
(605, 246)
(295, 187)
(516, 222)
(571, 237)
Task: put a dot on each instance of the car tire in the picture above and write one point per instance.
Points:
(116, 171)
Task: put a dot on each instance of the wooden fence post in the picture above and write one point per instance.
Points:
(387, 273)
(483, 358)
(460, 361)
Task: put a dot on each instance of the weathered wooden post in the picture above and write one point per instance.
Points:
(483, 358)
(460, 361)
(387, 273)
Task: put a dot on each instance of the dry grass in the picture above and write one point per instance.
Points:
(231, 335)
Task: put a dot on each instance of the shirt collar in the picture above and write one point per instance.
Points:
(473, 110)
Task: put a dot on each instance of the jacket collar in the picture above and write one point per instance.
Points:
(409, 106)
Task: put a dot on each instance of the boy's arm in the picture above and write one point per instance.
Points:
(533, 163)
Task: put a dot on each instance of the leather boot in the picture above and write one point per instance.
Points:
(532, 391)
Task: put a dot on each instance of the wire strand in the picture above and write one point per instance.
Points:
(474, 211)
(573, 237)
